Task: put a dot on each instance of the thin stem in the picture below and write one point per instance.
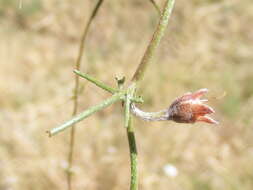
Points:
(128, 100)
(86, 113)
(127, 110)
(133, 156)
(147, 58)
(156, 6)
(162, 115)
(131, 138)
(76, 90)
(96, 82)
(157, 36)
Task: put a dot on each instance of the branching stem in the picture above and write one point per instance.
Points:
(146, 60)
(86, 113)
(127, 95)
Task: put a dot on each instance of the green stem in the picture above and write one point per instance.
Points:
(128, 99)
(127, 109)
(86, 113)
(157, 36)
(131, 138)
(133, 156)
(76, 90)
(96, 82)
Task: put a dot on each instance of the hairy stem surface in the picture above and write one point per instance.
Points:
(157, 36)
(150, 116)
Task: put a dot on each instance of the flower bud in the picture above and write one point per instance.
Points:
(189, 108)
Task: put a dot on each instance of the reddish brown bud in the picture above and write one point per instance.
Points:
(189, 108)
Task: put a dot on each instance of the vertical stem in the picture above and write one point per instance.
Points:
(76, 90)
(147, 59)
(133, 156)
(157, 36)
(127, 110)
(131, 138)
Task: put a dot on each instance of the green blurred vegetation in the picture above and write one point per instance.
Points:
(23, 7)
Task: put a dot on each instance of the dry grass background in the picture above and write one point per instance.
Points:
(209, 43)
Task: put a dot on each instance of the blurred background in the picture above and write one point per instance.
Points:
(208, 44)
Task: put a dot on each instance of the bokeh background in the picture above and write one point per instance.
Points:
(208, 44)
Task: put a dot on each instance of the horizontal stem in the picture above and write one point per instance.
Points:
(86, 113)
(162, 115)
(96, 82)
